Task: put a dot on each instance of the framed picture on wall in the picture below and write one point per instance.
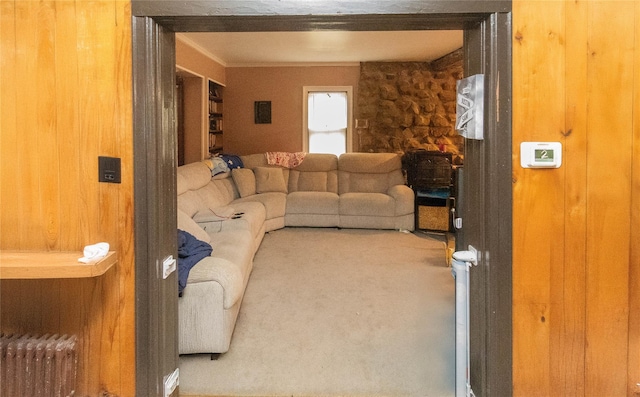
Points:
(262, 112)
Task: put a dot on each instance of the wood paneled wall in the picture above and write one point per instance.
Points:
(576, 229)
(65, 99)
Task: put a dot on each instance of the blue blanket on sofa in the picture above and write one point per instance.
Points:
(190, 251)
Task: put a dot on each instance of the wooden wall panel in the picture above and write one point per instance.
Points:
(633, 377)
(568, 363)
(609, 122)
(8, 91)
(68, 119)
(65, 99)
(575, 325)
(538, 44)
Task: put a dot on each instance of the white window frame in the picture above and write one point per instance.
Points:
(305, 112)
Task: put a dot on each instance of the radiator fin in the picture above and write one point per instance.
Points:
(38, 366)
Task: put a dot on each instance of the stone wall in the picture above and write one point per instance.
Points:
(410, 105)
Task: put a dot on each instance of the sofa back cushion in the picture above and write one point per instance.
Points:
(253, 161)
(192, 176)
(245, 181)
(270, 180)
(318, 172)
(197, 190)
(369, 172)
(219, 192)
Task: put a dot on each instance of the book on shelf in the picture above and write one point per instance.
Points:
(215, 141)
(215, 125)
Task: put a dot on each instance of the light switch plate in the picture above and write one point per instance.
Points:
(109, 169)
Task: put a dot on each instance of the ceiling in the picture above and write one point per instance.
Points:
(237, 49)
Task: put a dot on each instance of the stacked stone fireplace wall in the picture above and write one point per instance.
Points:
(410, 105)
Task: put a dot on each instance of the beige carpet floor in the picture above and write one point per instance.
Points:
(331, 312)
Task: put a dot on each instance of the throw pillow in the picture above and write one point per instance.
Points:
(270, 179)
(245, 181)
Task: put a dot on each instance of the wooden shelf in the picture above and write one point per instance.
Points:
(40, 265)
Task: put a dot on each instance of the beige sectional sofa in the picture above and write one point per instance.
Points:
(232, 212)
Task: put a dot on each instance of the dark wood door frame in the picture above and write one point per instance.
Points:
(155, 152)
(486, 210)
(487, 176)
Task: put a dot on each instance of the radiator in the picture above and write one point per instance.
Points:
(42, 366)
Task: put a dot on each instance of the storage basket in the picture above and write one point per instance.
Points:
(434, 217)
(427, 169)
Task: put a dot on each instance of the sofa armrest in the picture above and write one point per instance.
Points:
(223, 272)
(404, 197)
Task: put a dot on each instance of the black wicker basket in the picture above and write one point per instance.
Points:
(428, 169)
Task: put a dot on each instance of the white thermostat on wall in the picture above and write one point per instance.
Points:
(540, 154)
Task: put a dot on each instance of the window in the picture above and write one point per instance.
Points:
(327, 119)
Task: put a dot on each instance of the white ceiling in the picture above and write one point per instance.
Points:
(235, 49)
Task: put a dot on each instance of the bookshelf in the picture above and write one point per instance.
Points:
(216, 131)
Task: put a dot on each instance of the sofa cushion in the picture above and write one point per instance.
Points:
(252, 161)
(190, 203)
(219, 192)
(229, 264)
(404, 198)
(317, 173)
(181, 183)
(186, 223)
(378, 163)
(377, 204)
(308, 181)
(245, 216)
(245, 181)
(251, 216)
(351, 182)
(325, 203)
(197, 190)
(192, 176)
(318, 162)
(214, 214)
(274, 203)
(270, 179)
(369, 172)
(221, 271)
